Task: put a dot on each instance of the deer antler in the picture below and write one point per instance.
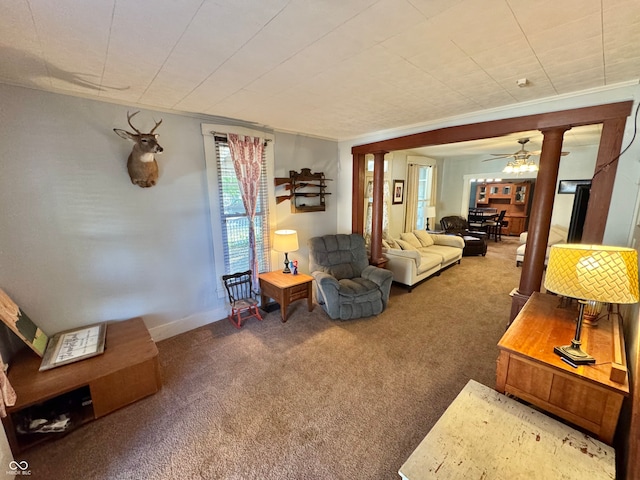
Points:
(154, 128)
(129, 117)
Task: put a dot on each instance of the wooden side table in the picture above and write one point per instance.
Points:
(529, 369)
(285, 288)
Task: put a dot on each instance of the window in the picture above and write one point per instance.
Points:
(228, 218)
(423, 200)
(234, 222)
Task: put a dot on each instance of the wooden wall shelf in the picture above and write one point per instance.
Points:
(306, 190)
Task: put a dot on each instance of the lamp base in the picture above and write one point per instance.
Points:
(286, 263)
(575, 354)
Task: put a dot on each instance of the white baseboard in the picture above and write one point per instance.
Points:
(168, 330)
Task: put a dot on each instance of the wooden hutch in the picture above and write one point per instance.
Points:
(512, 197)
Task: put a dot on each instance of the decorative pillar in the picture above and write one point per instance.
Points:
(603, 179)
(540, 221)
(357, 193)
(377, 210)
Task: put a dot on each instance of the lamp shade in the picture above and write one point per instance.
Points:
(285, 241)
(593, 272)
(431, 212)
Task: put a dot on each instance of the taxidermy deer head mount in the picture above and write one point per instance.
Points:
(142, 165)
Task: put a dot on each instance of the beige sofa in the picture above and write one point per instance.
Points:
(417, 255)
(557, 234)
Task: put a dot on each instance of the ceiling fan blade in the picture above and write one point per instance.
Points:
(538, 152)
(497, 158)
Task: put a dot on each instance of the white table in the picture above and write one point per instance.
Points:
(486, 435)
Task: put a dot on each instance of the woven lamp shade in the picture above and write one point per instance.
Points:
(593, 272)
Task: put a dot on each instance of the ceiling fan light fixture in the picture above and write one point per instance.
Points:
(520, 166)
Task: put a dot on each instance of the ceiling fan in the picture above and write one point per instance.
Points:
(520, 162)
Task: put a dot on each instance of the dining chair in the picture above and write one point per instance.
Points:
(475, 219)
(494, 227)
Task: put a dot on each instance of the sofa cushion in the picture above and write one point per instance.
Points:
(405, 245)
(424, 238)
(447, 253)
(392, 243)
(557, 234)
(428, 261)
(411, 238)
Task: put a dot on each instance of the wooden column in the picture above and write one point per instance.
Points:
(378, 199)
(603, 180)
(540, 221)
(357, 193)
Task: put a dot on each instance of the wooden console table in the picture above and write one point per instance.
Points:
(285, 288)
(127, 371)
(529, 369)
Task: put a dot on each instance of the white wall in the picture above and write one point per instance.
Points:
(578, 165)
(80, 244)
(397, 171)
(625, 195)
(294, 152)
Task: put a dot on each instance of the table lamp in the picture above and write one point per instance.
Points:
(285, 241)
(591, 272)
(430, 213)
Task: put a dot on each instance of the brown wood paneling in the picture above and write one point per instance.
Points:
(530, 378)
(580, 398)
(121, 388)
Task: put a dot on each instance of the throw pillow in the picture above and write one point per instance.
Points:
(405, 245)
(392, 243)
(424, 237)
(385, 244)
(411, 238)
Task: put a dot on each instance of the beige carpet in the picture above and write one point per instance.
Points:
(312, 398)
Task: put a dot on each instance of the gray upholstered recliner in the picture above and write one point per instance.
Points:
(346, 285)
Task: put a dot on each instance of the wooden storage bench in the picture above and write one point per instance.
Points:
(127, 371)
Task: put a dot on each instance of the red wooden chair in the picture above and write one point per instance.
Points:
(242, 297)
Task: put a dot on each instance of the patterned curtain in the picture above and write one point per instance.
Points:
(411, 204)
(246, 153)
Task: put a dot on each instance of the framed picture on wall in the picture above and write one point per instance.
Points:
(398, 192)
